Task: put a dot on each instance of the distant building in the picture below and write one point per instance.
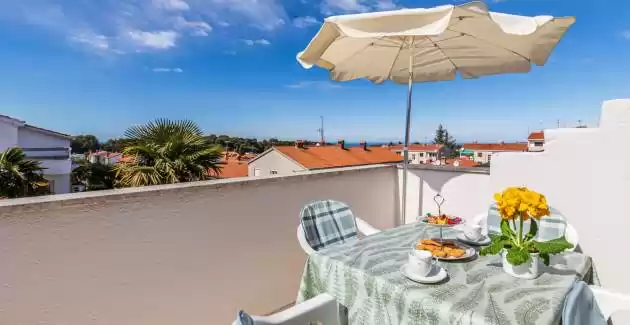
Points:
(104, 157)
(423, 153)
(536, 141)
(288, 160)
(233, 165)
(481, 153)
(51, 148)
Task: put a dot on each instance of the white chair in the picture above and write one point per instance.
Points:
(323, 309)
(610, 302)
(338, 217)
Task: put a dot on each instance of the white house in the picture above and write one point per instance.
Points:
(104, 157)
(289, 160)
(481, 153)
(536, 141)
(423, 153)
(51, 148)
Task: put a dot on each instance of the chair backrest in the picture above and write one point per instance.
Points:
(322, 309)
(327, 222)
(549, 227)
(610, 302)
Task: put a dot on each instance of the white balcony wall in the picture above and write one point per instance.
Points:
(188, 254)
(592, 193)
(465, 191)
(29, 137)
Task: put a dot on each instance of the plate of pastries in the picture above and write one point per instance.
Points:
(446, 250)
(442, 220)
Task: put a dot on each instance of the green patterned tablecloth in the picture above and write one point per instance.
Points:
(364, 277)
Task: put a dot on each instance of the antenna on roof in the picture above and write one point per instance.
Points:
(322, 140)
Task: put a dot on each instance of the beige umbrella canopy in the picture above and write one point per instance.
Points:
(419, 45)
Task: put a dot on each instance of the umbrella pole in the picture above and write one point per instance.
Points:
(407, 134)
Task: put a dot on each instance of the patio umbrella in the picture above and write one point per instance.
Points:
(420, 45)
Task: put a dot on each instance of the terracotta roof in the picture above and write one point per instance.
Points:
(495, 146)
(105, 153)
(538, 135)
(419, 147)
(462, 162)
(333, 156)
(232, 168)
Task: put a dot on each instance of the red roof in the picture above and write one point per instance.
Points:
(419, 147)
(334, 156)
(231, 168)
(462, 162)
(538, 135)
(495, 146)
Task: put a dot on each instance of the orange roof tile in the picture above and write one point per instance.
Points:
(538, 135)
(495, 146)
(232, 168)
(333, 156)
(419, 147)
(462, 162)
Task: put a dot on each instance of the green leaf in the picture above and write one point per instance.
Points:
(533, 230)
(497, 244)
(506, 229)
(545, 258)
(517, 255)
(554, 246)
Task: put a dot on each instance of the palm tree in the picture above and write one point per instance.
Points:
(95, 176)
(166, 152)
(19, 176)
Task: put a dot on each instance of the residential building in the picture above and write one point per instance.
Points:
(536, 141)
(104, 157)
(51, 148)
(482, 153)
(233, 165)
(287, 160)
(423, 153)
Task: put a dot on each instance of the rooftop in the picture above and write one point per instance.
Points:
(538, 135)
(419, 147)
(495, 146)
(335, 156)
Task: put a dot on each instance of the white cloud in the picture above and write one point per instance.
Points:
(171, 4)
(314, 84)
(177, 70)
(354, 6)
(261, 41)
(263, 14)
(306, 21)
(157, 40)
(229, 52)
(98, 42)
(223, 23)
(199, 28)
(626, 34)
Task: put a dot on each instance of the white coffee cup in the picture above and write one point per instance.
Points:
(421, 262)
(473, 232)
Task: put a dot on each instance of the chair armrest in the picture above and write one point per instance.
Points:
(302, 240)
(322, 308)
(365, 228)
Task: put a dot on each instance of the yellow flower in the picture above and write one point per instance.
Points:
(521, 202)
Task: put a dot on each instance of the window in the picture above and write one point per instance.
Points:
(479, 154)
(273, 172)
(257, 172)
(538, 144)
(421, 154)
(489, 157)
(413, 156)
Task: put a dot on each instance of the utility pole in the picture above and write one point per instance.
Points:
(322, 140)
(558, 123)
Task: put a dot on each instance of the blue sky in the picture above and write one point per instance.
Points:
(84, 66)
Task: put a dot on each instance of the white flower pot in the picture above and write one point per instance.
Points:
(529, 270)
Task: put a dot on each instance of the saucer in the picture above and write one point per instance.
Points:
(436, 275)
(483, 241)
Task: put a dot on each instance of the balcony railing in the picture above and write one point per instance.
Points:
(59, 153)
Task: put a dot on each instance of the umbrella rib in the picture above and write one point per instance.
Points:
(448, 58)
(389, 74)
(495, 45)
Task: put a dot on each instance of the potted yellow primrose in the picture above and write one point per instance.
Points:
(521, 251)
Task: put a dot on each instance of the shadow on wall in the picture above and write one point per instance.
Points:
(436, 182)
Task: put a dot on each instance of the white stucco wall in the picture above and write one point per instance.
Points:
(31, 138)
(61, 183)
(274, 160)
(466, 194)
(8, 134)
(188, 254)
(593, 194)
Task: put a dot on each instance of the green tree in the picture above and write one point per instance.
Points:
(84, 143)
(444, 138)
(19, 176)
(166, 152)
(113, 145)
(93, 176)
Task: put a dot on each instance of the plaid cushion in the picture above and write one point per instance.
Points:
(549, 227)
(327, 222)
